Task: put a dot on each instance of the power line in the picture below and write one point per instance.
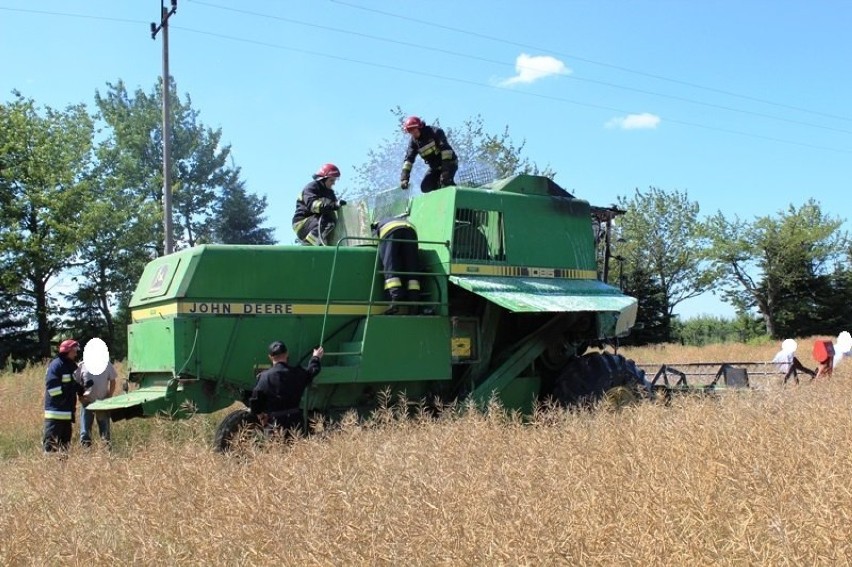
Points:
(495, 87)
(69, 15)
(504, 64)
(442, 77)
(591, 61)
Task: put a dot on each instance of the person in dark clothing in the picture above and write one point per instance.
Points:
(317, 206)
(432, 145)
(60, 397)
(278, 392)
(398, 252)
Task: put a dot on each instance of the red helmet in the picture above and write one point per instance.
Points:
(412, 122)
(327, 170)
(67, 345)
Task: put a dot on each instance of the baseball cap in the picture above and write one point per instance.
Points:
(67, 345)
(277, 348)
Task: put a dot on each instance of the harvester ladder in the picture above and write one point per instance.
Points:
(370, 302)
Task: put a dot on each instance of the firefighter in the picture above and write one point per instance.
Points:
(398, 253)
(279, 389)
(317, 206)
(60, 397)
(432, 145)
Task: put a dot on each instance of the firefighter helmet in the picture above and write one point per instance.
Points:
(327, 170)
(412, 122)
(67, 345)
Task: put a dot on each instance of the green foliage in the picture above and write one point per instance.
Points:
(90, 218)
(653, 321)
(781, 267)
(483, 156)
(660, 242)
(709, 329)
(134, 156)
(239, 216)
(46, 158)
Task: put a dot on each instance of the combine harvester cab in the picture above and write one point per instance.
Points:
(509, 274)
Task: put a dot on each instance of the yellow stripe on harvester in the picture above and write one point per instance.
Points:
(522, 271)
(192, 308)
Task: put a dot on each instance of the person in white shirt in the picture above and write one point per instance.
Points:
(96, 387)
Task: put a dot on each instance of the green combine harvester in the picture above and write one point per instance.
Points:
(510, 279)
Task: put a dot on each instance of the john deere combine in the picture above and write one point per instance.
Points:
(511, 279)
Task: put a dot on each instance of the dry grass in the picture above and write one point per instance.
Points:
(760, 478)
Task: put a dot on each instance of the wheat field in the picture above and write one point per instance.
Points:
(745, 478)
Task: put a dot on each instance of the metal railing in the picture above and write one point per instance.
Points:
(370, 302)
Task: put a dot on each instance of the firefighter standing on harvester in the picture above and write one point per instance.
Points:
(398, 253)
(432, 145)
(317, 206)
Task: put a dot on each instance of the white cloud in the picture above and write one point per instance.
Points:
(531, 68)
(644, 121)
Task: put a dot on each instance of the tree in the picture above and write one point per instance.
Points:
(46, 156)
(134, 151)
(660, 237)
(779, 267)
(483, 157)
(112, 257)
(653, 316)
(239, 216)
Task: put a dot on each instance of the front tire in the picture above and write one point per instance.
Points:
(237, 425)
(587, 379)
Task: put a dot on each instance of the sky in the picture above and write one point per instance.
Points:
(745, 105)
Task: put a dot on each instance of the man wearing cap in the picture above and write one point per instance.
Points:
(279, 389)
(60, 398)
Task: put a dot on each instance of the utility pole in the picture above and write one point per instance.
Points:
(165, 14)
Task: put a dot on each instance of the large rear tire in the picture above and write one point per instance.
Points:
(237, 426)
(587, 379)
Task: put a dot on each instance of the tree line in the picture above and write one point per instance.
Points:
(81, 215)
(786, 274)
(81, 210)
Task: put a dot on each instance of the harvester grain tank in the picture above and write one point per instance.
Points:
(510, 278)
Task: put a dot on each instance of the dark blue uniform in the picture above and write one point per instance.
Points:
(399, 256)
(280, 388)
(316, 213)
(60, 403)
(433, 147)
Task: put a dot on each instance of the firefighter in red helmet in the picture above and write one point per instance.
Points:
(60, 397)
(317, 206)
(432, 145)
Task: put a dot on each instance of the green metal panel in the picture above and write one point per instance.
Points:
(402, 349)
(547, 294)
(150, 395)
(616, 312)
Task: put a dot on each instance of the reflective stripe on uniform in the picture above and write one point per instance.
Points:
(60, 415)
(393, 283)
(316, 206)
(392, 225)
(54, 391)
(407, 166)
(428, 149)
(413, 285)
(298, 225)
(447, 155)
(66, 378)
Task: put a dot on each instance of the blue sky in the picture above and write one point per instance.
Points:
(744, 104)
